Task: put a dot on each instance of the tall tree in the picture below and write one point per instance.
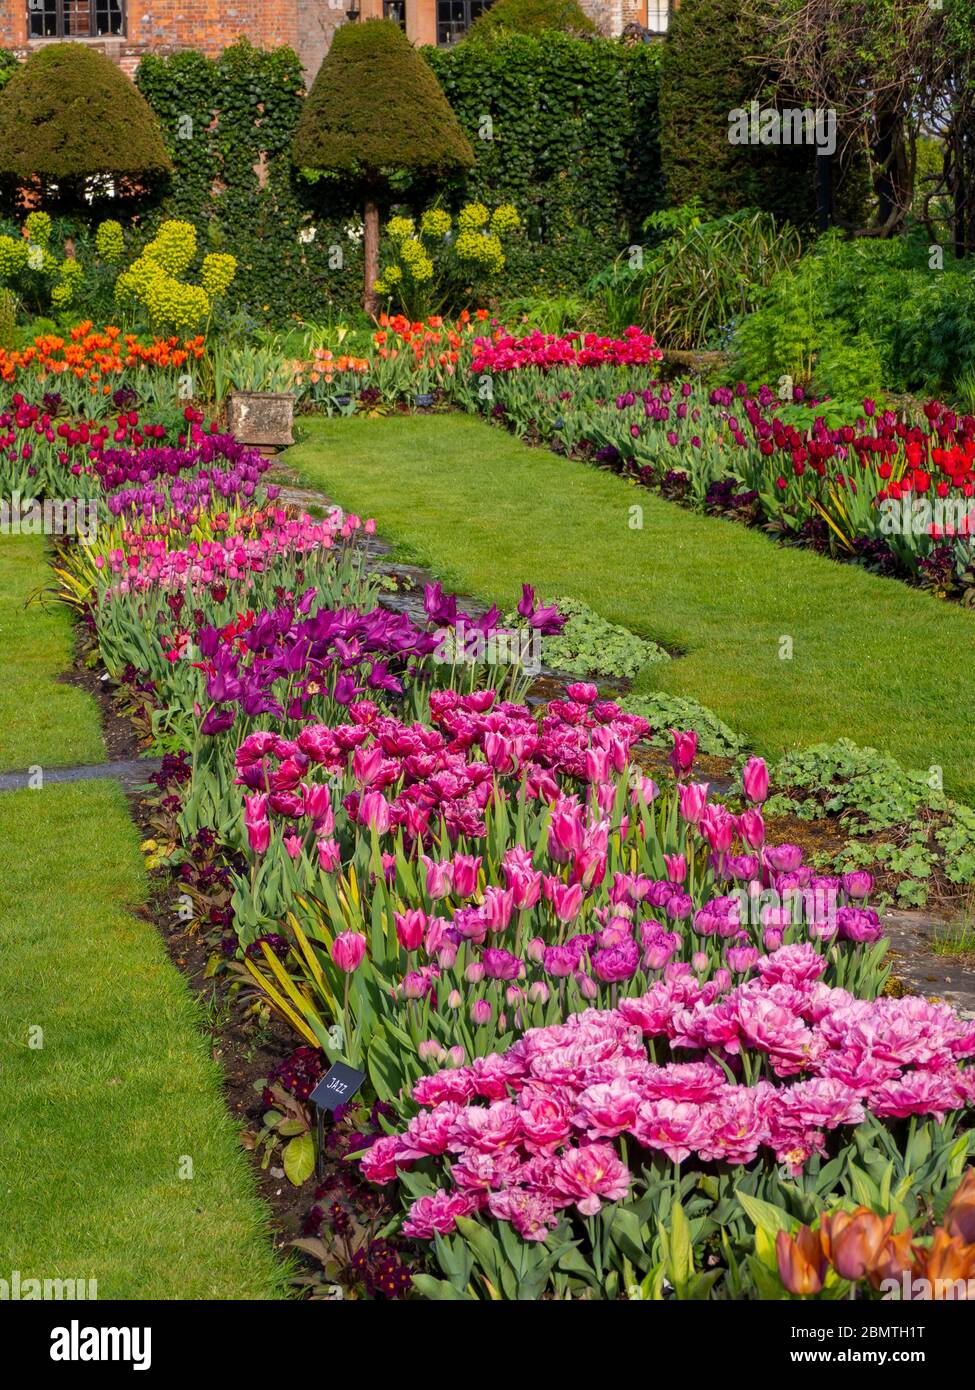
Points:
(376, 117)
(875, 63)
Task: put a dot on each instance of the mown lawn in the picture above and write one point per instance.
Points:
(43, 722)
(98, 1123)
(870, 658)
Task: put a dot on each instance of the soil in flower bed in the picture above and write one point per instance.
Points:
(716, 771)
(122, 743)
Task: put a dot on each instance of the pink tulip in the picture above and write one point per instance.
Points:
(717, 825)
(437, 880)
(683, 753)
(463, 874)
(318, 806)
(374, 812)
(751, 828)
(567, 900)
(525, 886)
(693, 799)
(566, 833)
(256, 822)
(858, 884)
(497, 906)
(410, 927)
(676, 867)
(754, 777)
(329, 856)
(348, 948)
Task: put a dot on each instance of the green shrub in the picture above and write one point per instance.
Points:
(70, 113)
(853, 314)
(665, 712)
(588, 645)
(8, 66)
(932, 838)
(705, 74)
(532, 17)
(567, 131)
(375, 108)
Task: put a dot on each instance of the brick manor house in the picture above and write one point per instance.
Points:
(126, 29)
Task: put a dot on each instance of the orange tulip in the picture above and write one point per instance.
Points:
(948, 1260)
(895, 1256)
(802, 1264)
(853, 1241)
(960, 1216)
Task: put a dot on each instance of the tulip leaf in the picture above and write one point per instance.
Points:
(439, 1290)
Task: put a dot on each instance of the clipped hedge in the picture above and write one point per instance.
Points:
(567, 130)
(706, 72)
(69, 112)
(376, 106)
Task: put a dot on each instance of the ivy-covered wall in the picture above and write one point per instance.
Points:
(229, 123)
(568, 132)
(565, 130)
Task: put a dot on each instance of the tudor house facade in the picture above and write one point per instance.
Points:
(126, 29)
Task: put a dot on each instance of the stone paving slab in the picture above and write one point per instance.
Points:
(131, 772)
(919, 969)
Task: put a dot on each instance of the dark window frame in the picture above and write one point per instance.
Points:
(48, 10)
(395, 10)
(450, 29)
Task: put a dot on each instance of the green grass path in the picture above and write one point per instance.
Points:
(96, 1123)
(43, 722)
(871, 659)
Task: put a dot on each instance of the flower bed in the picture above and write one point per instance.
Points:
(560, 977)
(891, 493)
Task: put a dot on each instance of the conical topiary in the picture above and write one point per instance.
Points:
(70, 112)
(376, 110)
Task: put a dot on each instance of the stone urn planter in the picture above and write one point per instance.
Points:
(263, 419)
